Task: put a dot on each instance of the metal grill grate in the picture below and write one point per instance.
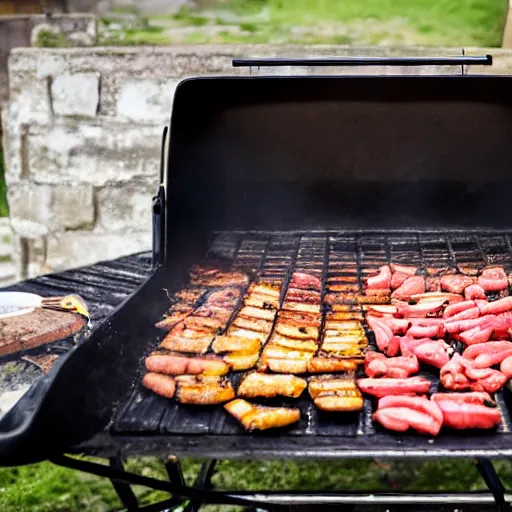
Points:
(342, 255)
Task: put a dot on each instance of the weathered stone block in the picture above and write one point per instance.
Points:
(97, 153)
(76, 248)
(38, 209)
(73, 207)
(146, 99)
(125, 207)
(30, 209)
(76, 94)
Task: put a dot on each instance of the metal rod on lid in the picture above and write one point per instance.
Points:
(483, 60)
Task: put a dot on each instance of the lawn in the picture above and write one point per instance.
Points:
(47, 488)
(407, 22)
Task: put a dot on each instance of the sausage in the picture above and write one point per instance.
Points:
(162, 385)
(169, 364)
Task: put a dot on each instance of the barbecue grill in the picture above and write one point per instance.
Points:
(271, 175)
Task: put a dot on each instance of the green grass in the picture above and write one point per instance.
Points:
(48, 488)
(406, 22)
(4, 208)
(443, 22)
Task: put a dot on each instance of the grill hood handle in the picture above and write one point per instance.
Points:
(484, 60)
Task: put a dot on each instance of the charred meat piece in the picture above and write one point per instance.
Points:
(400, 413)
(221, 315)
(162, 385)
(343, 287)
(262, 301)
(325, 363)
(284, 360)
(485, 355)
(175, 364)
(336, 394)
(467, 410)
(222, 344)
(456, 283)
(224, 298)
(253, 324)
(382, 281)
(237, 332)
(203, 390)
(468, 270)
(220, 279)
(190, 296)
(263, 385)
(176, 313)
(409, 270)
(301, 307)
(287, 329)
(241, 361)
(386, 386)
(270, 289)
(378, 365)
(493, 279)
(199, 324)
(196, 345)
(303, 345)
(411, 286)
(300, 319)
(259, 417)
(474, 291)
(299, 295)
(258, 313)
(305, 281)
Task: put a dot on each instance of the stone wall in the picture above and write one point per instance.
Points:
(82, 133)
(26, 30)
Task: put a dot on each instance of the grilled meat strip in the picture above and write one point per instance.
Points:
(331, 393)
(384, 336)
(263, 385)
(386, 386)
(174, 364)
(284, 360)
(162, 385)
(219, 279)
(493, 279)
(241, 360)
(258, 313)
(378, 365)
(222, 344)
(411, 286)
(400, 413)
(305, 281)
(259, 417)
(203, 390)
(198, 345)
(303, 345)
(329, 363)
(456, 283)
(468, 410)
(506, 366)
(485, 355)
(382, 281)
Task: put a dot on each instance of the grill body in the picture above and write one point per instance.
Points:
(410, 169)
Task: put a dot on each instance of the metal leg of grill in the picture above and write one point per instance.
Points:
(203, 481)
(493, 482)
(123, 489)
